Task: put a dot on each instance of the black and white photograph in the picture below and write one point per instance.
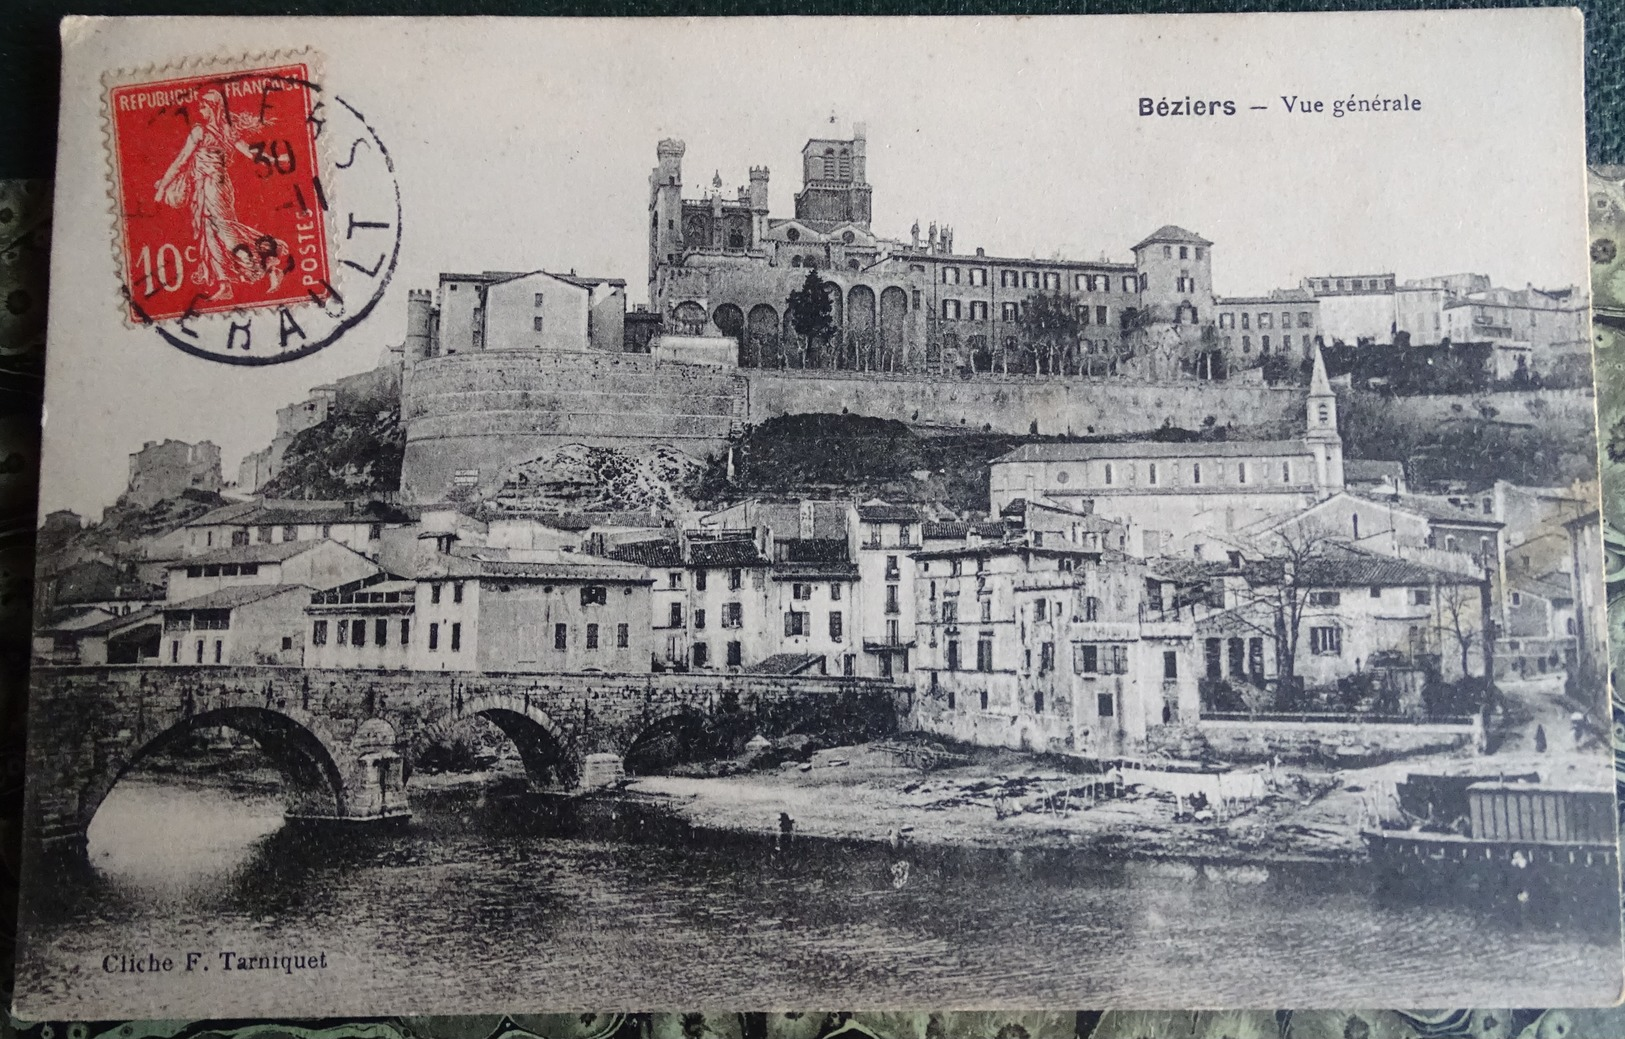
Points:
(881, 513)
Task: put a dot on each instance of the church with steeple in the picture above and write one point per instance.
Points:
(1183, 499)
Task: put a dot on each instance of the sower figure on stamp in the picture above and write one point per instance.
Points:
(200, 180)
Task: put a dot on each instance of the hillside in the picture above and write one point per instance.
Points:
(351, 455)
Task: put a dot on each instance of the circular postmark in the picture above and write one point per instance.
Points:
(259, 214)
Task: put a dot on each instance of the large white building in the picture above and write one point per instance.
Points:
(1182, 498)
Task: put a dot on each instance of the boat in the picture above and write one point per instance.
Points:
(1509, 843)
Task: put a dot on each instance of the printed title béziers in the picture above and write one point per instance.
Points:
(226, 959)
(1165, 107)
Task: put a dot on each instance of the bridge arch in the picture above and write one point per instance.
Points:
(549, 754)
(312, 763)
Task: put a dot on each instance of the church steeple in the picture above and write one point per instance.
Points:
(1321, 433)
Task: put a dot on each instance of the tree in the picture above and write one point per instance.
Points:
(1049, 323)
(1277, 593)
(812, 313)
(1461, 617)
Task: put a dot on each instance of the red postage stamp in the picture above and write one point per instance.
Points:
(219, 193)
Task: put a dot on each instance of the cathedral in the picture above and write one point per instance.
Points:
(722, 265)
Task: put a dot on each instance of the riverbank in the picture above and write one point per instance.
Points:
(1010, 800)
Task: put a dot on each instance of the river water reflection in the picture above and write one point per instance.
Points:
(486, 904)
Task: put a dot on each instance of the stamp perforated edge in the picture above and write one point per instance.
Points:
(314, 62)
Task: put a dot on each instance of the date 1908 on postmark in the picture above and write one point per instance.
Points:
(258, 217)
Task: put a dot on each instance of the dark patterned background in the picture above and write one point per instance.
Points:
(28, 57)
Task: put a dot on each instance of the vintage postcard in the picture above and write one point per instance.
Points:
(990, 513)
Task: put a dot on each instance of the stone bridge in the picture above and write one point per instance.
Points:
(346, 740)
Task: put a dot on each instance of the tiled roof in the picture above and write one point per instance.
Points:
(280, 511)
(791, 571)
(727, 552)
(153, 614)
(944, 530)
(785, 664)
(1359, 470)
(562, 570)
(1173, 233)
(811, 550)
(263, 553)
(1185, 571)
(237, 595)
(1133, 449)
(1441, 510)
(1352, 571)
(880, 512)
(661, 552)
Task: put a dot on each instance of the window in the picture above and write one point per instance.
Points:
(735, 654)
(950, 275)
(1129, 283)
(892, 605)
(1152, 475)
(1241, 472)
(264, 537)
(984, 654)
(835, 625)
(380, 632)
(561, 636)
(1255, 657)
(287, 642)
(1303, 319)
(796, 623)
(592, 636)
(733, 615)
(623, 636)
(736, 577)
(950, 612)
(1052, 281)
(1086, 659)
(1424, 597)
(801, 592)
(702, 655)
(456, 637)
(1196, 472)
(984, 699)
(699, 580)
(987, 611)
(434, 636)
(953, 655)
(1009, 280)
(674, 580)
(1286, 472)
(1009, 312)
(457, 591)
(1246, 344)
(434, 592)
(1246, 321)
(1170, 665)
(1046, 657)
(1488, 506)
(1325, 598)
(674, 617)
(835, 593)
(1264, 344)
(1167, 252)
(219, 650)
(1105, 705)
(978, 276)
(536, 323)
(291, 532)
(318, 633)
(1040, 609)
(1326, 641)
(375, 531)
(594, 594)
(1109, 473)
(1450, 543)
(1038, 701)
(699, 620)
(978, 310)
(1286, 344)
(1323, 413)
(406, 632)
(1091, 608)
(950, 310)
(1029, 279)
(1100, 315)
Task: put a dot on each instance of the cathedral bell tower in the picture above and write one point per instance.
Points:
(1321, 434)
(665, 209)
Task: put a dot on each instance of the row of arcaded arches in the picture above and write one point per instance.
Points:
(866, 322)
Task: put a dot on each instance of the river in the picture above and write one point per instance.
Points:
(485, 903)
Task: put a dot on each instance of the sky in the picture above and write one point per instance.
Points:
(528, 144)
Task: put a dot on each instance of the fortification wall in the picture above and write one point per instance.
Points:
(469, 416)
(1016, 404)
